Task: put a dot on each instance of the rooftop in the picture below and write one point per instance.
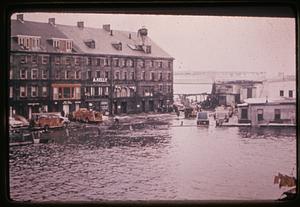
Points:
(104, 39)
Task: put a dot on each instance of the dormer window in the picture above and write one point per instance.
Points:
(90, 43)
(62, 45)
(29, 42)
(144, 48)
(117, 45)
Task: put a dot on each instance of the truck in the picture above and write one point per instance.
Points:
(85, 115)
(48, 120)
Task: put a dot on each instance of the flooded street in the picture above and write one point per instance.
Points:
(154, 161)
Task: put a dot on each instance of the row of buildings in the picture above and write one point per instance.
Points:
(265, 102)
(62, 68)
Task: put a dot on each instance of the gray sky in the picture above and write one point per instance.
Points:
(260, 44)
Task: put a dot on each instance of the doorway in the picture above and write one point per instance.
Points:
(124, 107)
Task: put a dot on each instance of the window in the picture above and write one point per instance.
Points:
(152, 76)
(169, 89)
(160, 64)
(98, 62)
(23, 74)
(260, 114)
(98, 74)
(116, 62)
(169, 76)
(281, 93)
(244, 114)
(34, 73)
(97, 91)
(117, 76)
(132, 76)
(89, 61)
(249, 92)
(67, 74)
(277, 114)
(92, 91)
(106, 62)
(290, 93)
(89, 75)
(107, 74)
(44, 91)
(34, 91)
(151, 63)
(160, 88)
(77, 60)
(160, 76)
(77, 74)
(23, 59)
(44, 59)
(169, 64)
(129, 63)
(29, 42)
(67, 92)
(62, 45)
(125, 75)
(44, 74)
(143, 75)
(57, 74)
(23, 91)
(10, 92)
(34, 59)
(57, 60)
(68, 60)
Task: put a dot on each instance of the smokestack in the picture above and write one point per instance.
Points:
(51, 21)
(20, 17)
(106, 27)
(80, 25)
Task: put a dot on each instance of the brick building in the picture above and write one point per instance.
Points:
(62, 68)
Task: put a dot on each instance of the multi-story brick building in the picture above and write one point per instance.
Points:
(61, 68)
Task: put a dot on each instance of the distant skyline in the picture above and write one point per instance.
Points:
(205, 43)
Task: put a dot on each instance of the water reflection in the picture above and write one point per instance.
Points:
(153, 163)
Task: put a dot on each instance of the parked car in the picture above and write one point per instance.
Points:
(85, 115)
(222, 115)
(202, 118)
(48, 120)
(17, 121)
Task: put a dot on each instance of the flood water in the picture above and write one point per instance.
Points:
(165, 162)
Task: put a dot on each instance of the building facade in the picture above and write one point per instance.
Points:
(230, 93)
(262, 111)
(62, 68)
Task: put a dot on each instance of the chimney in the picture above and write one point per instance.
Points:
(106, 27)
(51, 21)
(129, 36)
(20, 17)
(80, 25)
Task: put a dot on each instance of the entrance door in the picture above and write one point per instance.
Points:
(115, 107)
(124, 107)
(143, 106)
(244, 114)
(151, 105)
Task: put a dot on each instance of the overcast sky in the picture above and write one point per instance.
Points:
(260, 44)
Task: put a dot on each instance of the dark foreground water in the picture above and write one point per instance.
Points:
(158, 163)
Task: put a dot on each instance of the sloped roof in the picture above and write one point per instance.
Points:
(103, 39)
(44, 30)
